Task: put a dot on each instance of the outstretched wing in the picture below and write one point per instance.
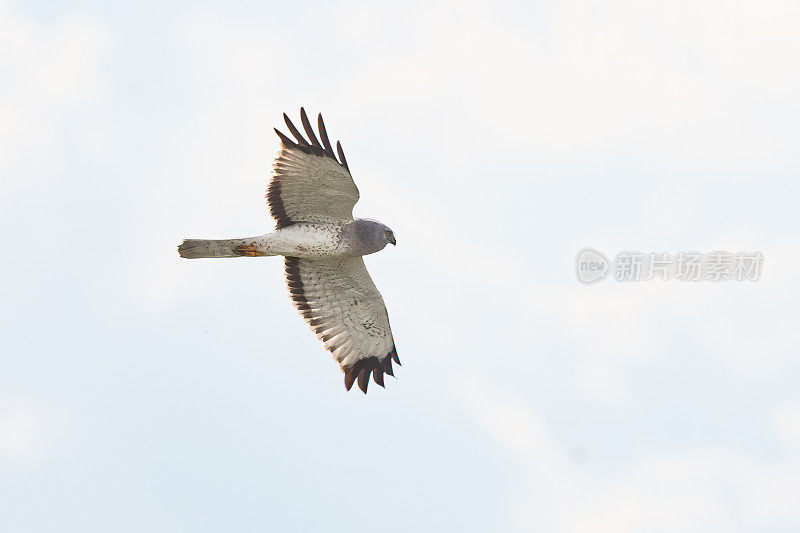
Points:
(310, 184)
(339, 301)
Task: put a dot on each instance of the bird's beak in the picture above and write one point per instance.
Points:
(391, 240)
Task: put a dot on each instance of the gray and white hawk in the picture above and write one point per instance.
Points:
(311, 197)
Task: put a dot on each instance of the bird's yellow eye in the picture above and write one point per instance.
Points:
(388, 233)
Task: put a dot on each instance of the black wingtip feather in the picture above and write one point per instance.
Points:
(287, 142)
(323, 134)
(363, 380)
(314, 147)
(342, 160)
(377, 376)
(362, 369)
(349, 378)
(393, 355)
(309, 130)
(300, 139)
(387, 366)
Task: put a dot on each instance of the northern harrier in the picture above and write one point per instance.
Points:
(311, 197)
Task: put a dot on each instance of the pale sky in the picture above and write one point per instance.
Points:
(142, 392)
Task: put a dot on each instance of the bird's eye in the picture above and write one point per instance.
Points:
(388, 233)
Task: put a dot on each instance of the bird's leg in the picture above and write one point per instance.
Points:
(248, 250)
(252, 247)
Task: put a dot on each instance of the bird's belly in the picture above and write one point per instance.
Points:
(306, 240)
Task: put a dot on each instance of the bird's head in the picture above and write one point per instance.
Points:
(371, 235)
(389, 234)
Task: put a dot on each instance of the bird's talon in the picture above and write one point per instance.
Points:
(247, 250)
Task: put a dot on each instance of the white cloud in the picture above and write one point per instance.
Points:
(786, 424)
(684, 81)
(45, 71)
(25, 429)
(702, 489)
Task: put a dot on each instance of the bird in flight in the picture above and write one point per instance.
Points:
(311, 197)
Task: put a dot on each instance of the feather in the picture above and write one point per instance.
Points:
(324, 136)
(342, 160)
(387, 366)
(349, 378)
(287, 142)
(377, 376)
(363, 380)
(300, 139)
(309, 129)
